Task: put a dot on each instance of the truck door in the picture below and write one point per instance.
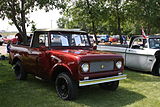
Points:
(136, 55)
(38, 56)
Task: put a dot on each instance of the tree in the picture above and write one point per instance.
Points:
(17, 11)
(62, 22)
(84, 14)
(144, 13)
(118, 15)
(149, 14)
(33, 27)
(113, 16)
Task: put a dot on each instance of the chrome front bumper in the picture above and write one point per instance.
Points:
(102, 80)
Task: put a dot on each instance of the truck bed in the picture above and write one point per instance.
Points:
(113, 48)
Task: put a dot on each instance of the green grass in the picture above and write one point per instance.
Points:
(140, 89)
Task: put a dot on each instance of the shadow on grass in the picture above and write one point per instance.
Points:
(94, 96)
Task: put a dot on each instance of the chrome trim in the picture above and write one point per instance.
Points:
(54, 57)
(100, 66)
(102, 80)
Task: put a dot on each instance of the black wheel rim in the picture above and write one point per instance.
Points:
(62, 87)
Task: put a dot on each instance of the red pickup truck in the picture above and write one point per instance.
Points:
(67, 58)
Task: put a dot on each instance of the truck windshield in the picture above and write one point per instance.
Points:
(154, 43)
(66, 39)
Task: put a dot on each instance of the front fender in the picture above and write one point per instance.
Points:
(60, 66)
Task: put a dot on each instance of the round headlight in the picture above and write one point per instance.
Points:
(119, 64)
(85, 67)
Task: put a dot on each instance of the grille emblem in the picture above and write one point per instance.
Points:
(102, 66)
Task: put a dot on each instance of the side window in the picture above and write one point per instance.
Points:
(43, 40)
(154, 43)
(79, 40)
(138, 43)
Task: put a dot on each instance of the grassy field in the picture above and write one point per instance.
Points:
(139, 90)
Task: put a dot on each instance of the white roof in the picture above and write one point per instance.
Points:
(63, 30)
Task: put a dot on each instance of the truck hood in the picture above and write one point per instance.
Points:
(87, 54)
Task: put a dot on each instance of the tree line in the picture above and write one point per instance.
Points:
(94, 16)
(17, 11)
(112, 16)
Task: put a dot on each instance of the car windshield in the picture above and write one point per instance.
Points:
(69, 39)
(154, 43)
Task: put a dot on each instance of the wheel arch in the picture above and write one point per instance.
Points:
(15, 60)
(60, 69)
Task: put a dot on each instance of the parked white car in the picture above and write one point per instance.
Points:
(141, 54)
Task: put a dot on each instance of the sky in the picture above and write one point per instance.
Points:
(41, 18)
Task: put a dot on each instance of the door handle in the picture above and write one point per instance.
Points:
(130, 50)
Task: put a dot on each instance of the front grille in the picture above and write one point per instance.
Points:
(101, 66)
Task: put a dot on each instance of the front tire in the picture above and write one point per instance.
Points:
(66, 88)
(156, 70)
(112, 86)
(19, 72)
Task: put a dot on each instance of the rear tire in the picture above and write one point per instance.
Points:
(112, 86)
(19, 72)
(66, 88)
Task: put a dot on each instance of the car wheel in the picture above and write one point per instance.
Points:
(156, 70)
(19, 72)
(110, 85)
(66, 88)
